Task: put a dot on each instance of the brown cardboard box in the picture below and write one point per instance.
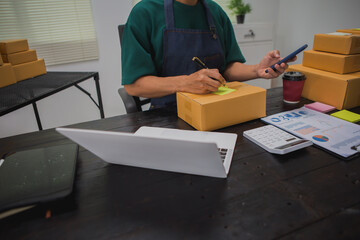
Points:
(29, 70)
(7, 75)
(352, 30)
(20, 57)
(13, 46)
(343, 44)
(332, 62)
(339, 90)
(209, 112)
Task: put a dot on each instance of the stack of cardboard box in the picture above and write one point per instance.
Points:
(24, 62)
(7, 75)
(332, 69)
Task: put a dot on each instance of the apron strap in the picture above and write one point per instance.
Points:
(169, 16)
(209, 19)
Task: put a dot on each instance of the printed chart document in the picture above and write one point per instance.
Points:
(336, 135)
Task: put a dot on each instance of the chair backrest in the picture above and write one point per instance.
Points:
(121, 30)
(132, 103)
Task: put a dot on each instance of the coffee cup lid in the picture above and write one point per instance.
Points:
(294, 76)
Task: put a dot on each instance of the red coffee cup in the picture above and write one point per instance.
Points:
(293, 83)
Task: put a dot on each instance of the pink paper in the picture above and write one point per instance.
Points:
(320, 107)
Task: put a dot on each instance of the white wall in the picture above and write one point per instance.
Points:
(263, 11)
(298, 21)
(73, 106)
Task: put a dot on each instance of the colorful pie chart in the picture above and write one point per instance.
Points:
(320, 138)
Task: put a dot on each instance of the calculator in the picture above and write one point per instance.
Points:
(275, 140)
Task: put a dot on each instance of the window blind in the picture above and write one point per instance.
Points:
(61, 31)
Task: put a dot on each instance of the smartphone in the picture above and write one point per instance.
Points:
(288, 57)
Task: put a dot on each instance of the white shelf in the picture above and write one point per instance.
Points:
(255, 40)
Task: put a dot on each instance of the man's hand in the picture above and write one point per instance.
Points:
(270, 59)
(202, 82)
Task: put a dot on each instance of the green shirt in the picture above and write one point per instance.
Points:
(142, 41)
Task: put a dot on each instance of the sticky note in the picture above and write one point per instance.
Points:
(320, 107)
(347, 115)
(224, 91)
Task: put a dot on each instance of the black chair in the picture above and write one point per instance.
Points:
(132, 103)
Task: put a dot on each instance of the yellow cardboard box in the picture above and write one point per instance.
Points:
(13, 46)
(210, 111)
(352, 30)
(332, 62)
(20, 57)
(343, 44)
(339, 90)
(7, 75)
(29, 70)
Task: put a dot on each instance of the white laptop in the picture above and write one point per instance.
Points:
(184, 151)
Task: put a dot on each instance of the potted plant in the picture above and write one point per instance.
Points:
(239, 8)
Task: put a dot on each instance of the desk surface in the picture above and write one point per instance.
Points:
(25, 92)
(308, 194)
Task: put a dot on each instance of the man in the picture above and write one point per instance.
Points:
(160, 39)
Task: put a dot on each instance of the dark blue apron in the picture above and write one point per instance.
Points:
(181, 45)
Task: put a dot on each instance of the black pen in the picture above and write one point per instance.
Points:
(201, 64)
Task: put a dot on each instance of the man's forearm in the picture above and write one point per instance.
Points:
(153, 86)
(237, 71)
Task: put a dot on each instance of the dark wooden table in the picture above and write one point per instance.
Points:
(308, 194)
(30, 91)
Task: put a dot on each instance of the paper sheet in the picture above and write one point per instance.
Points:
(331, 133)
